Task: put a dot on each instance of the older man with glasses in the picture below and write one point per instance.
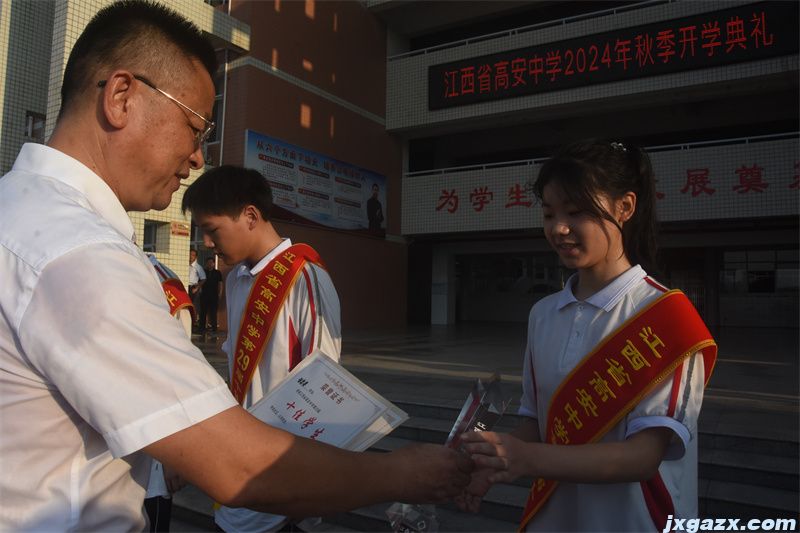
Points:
(95, 376)
(200, 134)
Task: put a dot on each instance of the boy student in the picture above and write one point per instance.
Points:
(231, 205)
(95, 378)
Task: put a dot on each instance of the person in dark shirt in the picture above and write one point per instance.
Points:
(374, 210)
(209, 296)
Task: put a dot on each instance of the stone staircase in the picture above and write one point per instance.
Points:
(748, 469)
(748, 465)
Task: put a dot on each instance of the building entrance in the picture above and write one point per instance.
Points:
(503, 287)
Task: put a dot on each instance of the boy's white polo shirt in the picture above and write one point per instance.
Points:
(309, 320)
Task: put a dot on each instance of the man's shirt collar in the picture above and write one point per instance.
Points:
(46, 161)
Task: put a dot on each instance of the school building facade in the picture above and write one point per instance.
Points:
(483, 98)
(399, 138)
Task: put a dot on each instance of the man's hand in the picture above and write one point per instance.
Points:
(243, 462)
(431, 473)
(470, 499)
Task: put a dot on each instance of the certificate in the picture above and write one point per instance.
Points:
(320, 400)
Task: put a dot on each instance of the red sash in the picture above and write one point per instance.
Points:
(266, 299)
(177, 297)
(624, 367)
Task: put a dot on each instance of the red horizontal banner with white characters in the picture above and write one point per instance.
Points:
(744, 33)
(755, 180)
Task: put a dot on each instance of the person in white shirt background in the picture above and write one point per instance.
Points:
(95, 377)
(210, 296)
(197, 277)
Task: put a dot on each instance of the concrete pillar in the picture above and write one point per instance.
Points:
(443, 287)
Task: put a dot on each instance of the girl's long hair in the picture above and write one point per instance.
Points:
(586, 170)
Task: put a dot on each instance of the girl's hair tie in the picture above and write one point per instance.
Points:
(618, 146)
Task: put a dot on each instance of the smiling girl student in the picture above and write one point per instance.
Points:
(614, 367)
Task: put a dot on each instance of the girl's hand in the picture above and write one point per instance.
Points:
(504, 454)
(637, 458)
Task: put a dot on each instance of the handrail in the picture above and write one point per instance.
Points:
(652, 149)
(734, 140)
(525, 29)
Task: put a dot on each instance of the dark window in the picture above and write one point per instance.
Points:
(34, 126)
(760, 272)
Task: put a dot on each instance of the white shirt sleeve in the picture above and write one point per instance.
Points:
(528, 403)
(201, 273)
(230, 296)
(317, 313)
(654, 409)
(98, 328)
(184, 317)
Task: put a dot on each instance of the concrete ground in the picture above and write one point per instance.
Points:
(757, 365)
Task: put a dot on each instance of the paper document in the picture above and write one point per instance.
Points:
(320, 400)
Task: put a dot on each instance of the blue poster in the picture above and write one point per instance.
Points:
(314, 188)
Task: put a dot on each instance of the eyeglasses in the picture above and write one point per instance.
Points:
(200, 136)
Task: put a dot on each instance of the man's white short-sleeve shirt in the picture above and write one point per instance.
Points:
(92, 366)
(196, 273)
(561, 332)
